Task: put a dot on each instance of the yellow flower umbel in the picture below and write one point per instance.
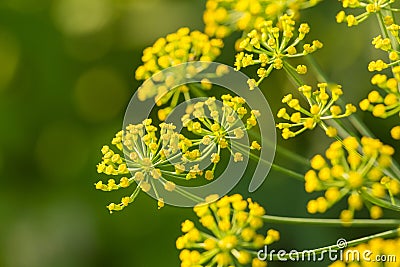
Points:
(145, 160)
(274, 45)
(388, 44)
(354, 169)
(231, 236)
(377, 252)
(321, 108)
(223, 17)
(218, 124)
(387, 103)
(176, 48)
(366, 8)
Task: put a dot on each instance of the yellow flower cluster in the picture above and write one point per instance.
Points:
(274, 44)
(354, 169)
(377, 252)
(386, 104)
(367, 8)
(176, 48)
(146, 149)
(223, 17)
(321, 108)
(385, 44)
(219, 123)
(231, 236)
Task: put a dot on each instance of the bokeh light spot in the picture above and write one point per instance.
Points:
(100, 94)
(77, 17)
(9, 57)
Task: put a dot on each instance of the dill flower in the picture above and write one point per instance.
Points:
(385, 44)
(219, 124)
(147, 150)
(358, 170)
(230, 236)
(381, 250)
(395, 132)
(176, 48)
(366, 8)
(223, 17)
(321, 108)
(385, 102)
(274, 45)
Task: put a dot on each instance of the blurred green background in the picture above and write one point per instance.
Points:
(66, 76)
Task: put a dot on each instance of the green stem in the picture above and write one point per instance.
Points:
(275, 167)
(352, 243)
(332, 222)
(295, 78)
(197, 91)
(190, 196)
(289, 154)
(381, 22)
(294, 156)
(288, 172)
